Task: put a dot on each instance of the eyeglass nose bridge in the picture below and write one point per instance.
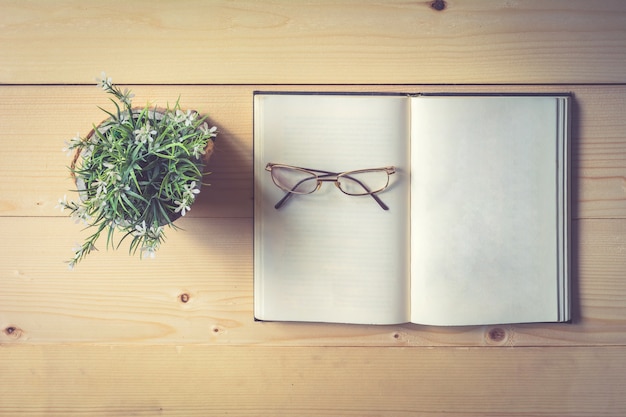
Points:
(327, 178)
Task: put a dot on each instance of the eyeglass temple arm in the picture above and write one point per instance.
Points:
(289, 194)
(283, 200)
(374, 196)
(380, 202)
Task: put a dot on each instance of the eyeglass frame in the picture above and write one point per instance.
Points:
(328, 176)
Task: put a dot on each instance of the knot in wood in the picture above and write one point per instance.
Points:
(497, 334)
(184, 297)
(13, 332)
(438, 5)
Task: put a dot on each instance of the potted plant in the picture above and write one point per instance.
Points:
(136, 172)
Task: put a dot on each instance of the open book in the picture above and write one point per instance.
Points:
(471, 228)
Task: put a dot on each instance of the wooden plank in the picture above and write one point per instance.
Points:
(33, 175)
(114, 298)
(175, 336)
(192, 381)
(330, 41)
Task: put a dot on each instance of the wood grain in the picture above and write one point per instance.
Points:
(598, 142)
(175, 336)
(322, 42)
(205, 381)
(114, 298)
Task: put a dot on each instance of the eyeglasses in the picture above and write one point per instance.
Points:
(297, 180)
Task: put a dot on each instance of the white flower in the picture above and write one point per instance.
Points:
(144, 134)
(123, 223)
(183, 207)
(104, 82)
(212, 132)
(121, 189)
(179, 117)
(198, 151)
(126, 97)
(190, 190)
(155, 233)
(62, 203)
(81, 215)
(87, 151)
(101, 187)
(186, 118)
(148, 252)
(124, 117)
(72, 144)
(112, 175)
(140, 229)
(78, 251)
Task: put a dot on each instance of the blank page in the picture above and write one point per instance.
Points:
(487, 212)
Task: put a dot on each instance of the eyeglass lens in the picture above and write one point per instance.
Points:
(294, 180)
(363, 182)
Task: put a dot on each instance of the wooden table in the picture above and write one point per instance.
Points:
(175, 335)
